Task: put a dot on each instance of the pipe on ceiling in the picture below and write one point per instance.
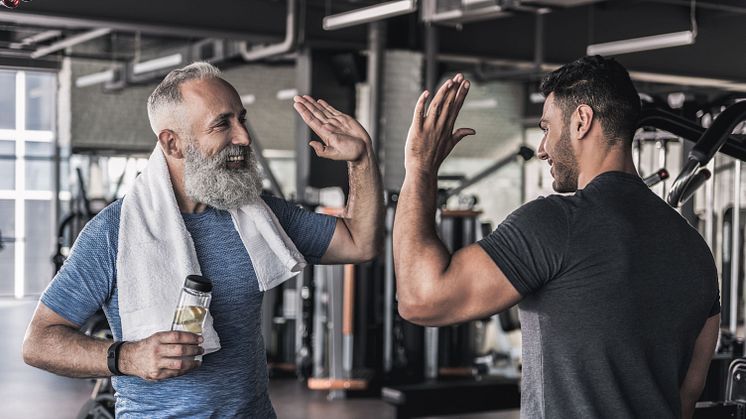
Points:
(287, 45)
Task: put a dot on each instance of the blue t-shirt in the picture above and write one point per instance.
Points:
(231, 382)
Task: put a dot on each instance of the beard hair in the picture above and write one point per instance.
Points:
(565, 164)
(209, 181)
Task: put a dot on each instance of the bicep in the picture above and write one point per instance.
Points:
(43, 318)
(341, 247)
(473, 287)
(704, 348)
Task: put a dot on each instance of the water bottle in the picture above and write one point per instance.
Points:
(194, 302)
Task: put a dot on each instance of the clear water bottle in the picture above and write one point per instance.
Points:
(194, 303)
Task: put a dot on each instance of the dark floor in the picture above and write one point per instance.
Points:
(28, 393)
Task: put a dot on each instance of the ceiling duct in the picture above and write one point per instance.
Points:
(286, 45)
(214, 51)
(457, 12)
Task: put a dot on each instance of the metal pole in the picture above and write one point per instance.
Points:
(662, 146)
(348, 318)
(709, 207)
(481, 175)
(303, 73)
(431, 74)
(735, 260)
(299, 321)
(431, 353)
(431, 58)
(376, 48)
(320, 330)
(335, 288)
(388, 294)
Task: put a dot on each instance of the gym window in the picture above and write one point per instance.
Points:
(28, 180)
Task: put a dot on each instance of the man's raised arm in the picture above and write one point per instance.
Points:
(434, 287)
(359, 232)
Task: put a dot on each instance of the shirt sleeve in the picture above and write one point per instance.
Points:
(528, 246)
(85, 282)
(716, 305)
(310, 232)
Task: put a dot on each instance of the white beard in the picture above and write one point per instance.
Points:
(208, 180)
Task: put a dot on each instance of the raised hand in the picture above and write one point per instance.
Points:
(162, 355)
(342, 137)
(431, 136)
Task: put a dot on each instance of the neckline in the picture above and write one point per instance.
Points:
(198, 215)
(619, 174)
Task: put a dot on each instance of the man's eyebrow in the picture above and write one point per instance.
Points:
(220, 118)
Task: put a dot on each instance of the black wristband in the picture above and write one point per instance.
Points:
(112, 357)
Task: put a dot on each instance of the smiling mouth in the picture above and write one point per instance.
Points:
(237, 158)
(236, 161)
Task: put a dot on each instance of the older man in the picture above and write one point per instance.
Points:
(199, 121)
(618, 294)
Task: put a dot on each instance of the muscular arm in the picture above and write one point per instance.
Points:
(694, 382)
(359, 232)
(434, 287)
(55, 344)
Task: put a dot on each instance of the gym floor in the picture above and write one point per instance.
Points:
(29, 393)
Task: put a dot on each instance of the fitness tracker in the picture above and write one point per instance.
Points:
(112, 358)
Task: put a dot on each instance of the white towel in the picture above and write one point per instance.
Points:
(156, 253)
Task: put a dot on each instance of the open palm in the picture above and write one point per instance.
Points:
(342, 137)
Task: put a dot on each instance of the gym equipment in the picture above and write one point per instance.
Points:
(333, 325)
(346, 320)
(12, 4)
(735, 388)
(83, 210)
(720, 410)
(694, 174)
(526, 153)
(656, 178)
(651, 116)
(453, 397)
(456, 375)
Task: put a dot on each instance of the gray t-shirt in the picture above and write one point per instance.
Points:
(616, 288)
(232, 382)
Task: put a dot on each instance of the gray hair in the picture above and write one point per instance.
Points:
(167, 95)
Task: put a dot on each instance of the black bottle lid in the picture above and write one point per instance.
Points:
(198, 283)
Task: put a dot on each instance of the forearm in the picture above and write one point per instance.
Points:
(420, 258)
(364, 212)
(66, 351)
(687, 408)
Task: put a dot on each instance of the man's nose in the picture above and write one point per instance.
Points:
(241, 136)
(541, 152)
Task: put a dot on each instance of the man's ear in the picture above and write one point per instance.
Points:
(583, 122)
(169, 141)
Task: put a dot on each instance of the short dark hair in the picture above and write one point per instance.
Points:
(605, 86)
